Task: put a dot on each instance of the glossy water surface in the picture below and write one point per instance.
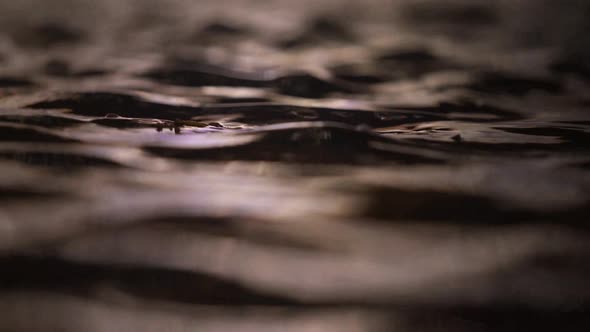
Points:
(422, 173)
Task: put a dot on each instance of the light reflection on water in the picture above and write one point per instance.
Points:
(329, 176)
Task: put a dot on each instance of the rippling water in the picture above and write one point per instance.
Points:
(407, 166)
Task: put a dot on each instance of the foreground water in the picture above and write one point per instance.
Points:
(334, 178)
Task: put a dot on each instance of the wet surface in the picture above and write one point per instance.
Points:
(364, 176)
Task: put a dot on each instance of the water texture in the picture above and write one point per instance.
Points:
(279, 166)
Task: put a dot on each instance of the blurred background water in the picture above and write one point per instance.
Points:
(337, 165)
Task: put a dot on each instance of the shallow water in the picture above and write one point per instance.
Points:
(428, 173)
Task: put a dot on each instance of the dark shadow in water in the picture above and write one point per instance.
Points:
(322, 145)
(41, 273)
(48, 35)
(103, 103)
(392, 204)
(13, 82)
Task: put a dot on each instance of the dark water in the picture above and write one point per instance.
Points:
(416, 166)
